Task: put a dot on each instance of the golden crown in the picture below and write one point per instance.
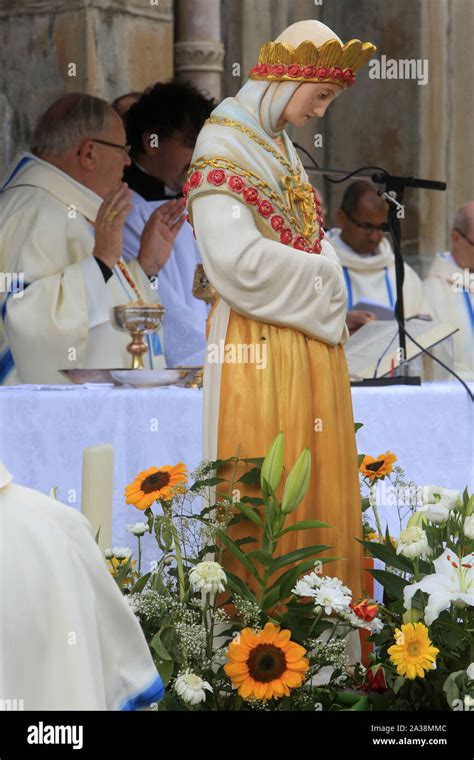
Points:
(330, 62)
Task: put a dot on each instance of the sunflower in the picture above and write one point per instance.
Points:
(413, 653)
(156, 484)
(377, 468)
(266, 664)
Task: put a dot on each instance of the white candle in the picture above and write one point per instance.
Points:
(98, 490)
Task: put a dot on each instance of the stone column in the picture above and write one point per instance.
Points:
(199, 52)
(103, 47)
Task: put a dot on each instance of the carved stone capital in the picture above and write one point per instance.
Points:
(199, 56)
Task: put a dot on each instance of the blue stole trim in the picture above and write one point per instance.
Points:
(389, 289)
(388, 285)
(348, 286)
(153, 693)
(6, 364)
(470, 309)
(25, 160)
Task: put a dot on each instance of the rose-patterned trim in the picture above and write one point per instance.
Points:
(251, 196)
(308, 73)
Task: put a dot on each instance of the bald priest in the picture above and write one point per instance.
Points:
(62, 211)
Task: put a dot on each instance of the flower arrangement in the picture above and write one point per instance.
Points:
(424, 653)
(283, 647)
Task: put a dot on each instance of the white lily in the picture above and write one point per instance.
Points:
(452, 583)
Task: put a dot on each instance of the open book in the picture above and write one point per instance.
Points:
(371, 350)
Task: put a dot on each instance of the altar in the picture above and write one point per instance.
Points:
(44, 430)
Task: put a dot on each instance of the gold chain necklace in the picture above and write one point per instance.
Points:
(256, 138)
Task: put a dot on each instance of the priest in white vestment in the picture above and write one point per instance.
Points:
(366, 256)
(62, 211)
(449, 291)
(68, 638)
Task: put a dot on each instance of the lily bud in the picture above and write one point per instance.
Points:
(272, 466)
(297, 483)
(417, 520)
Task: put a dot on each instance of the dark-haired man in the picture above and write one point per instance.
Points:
(162, 128)
(365, 253)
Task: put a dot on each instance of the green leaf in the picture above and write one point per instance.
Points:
(157, 645)
(165, 669)
(237, 586)
(140, 584)
(299, 554)
(304, 525)
(252, 477)
(253, 460)
(392, 583)
(388, 555)
(206, 482)
(398, 683)
(249, 513)
(253, 500)
(241, 556)
(358, 426)
(365, 503)
(265, 558)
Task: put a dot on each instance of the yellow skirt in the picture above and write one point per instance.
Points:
(304, 391)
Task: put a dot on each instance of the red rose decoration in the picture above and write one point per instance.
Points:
(365, 609)
(294, 70)
(285, 236)
(277, 222)
(265, 209)
(216, 177)
(317, 247)
(195, 179)
(323, 72)
(351, 81)
(309, 72)
(251, 196)
(375, 680)
(262, 69)
(347, 75)
(299, 243)
(186, 189)
(236, 184)
(279, 69)
(336, 73)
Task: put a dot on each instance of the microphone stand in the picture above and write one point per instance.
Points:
(393, 193)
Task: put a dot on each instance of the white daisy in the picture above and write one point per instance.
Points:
(138, 528)
(192, 688)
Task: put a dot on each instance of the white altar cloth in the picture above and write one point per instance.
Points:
(43, 432)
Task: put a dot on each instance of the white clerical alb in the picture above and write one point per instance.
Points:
(449, 297)
(55, 310)
(372, 277)
(68, 638)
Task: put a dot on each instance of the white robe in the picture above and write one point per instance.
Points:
(373, 277)
(184, 325)
(68, 638)
(447, 301)
(59, 318)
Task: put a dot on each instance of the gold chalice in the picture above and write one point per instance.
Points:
(138, 319)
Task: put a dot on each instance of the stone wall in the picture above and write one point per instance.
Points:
(48, 47)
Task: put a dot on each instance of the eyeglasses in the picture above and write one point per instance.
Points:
(125, 148)
(471, 242)
(367, 226)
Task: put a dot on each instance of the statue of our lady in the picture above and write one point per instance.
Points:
(281, 292)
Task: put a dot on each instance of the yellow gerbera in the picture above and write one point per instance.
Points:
(117, 564)
(377, 468)
(156, 483)
(413, 653)
(266, 665)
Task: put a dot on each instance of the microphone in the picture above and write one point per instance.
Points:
(380, 178)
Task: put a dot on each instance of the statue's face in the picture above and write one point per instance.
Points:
(310, 100)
